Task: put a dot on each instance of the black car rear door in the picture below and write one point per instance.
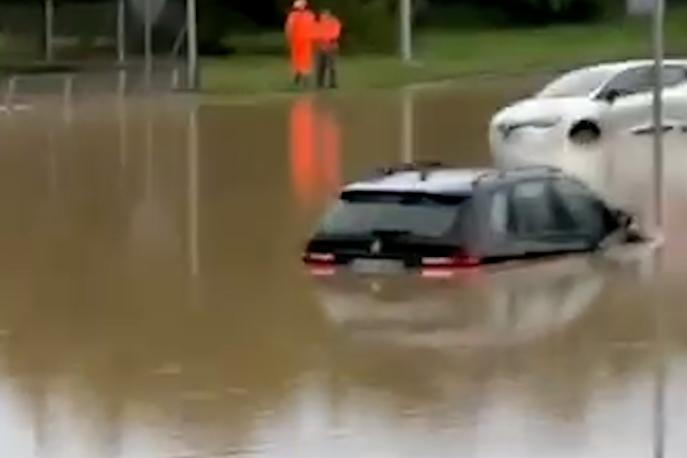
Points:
(540, 223)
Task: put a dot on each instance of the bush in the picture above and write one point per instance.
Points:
(547, 11)
(520, 12)
(369, 25)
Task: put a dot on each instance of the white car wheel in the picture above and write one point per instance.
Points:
(585, 132)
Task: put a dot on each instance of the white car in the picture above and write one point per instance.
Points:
(584, 105)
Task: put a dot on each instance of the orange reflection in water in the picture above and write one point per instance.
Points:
(315, 149)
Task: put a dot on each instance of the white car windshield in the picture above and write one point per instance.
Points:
(579, 83)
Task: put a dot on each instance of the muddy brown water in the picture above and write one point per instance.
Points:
(152, 303)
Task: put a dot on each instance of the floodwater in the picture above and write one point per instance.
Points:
(152, 302)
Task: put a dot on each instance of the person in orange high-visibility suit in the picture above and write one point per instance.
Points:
(328, 35)
(300, 33)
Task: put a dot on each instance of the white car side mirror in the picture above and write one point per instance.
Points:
(611, 96)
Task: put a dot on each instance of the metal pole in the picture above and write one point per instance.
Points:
(121, 31)
(174, 84)
(193, 193)
(68, 98)
(53, 163)
(658, 39)
(406, 29)
(660, 387)
(661, 368)
(49, 29)
(192, 42)
(122, 118)
(149, 149)
(121, 83)
(148, 32)
(407, 126)
(10, 94)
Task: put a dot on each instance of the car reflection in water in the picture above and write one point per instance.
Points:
(510, 306)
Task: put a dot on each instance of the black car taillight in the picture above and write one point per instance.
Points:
(320, 264)
(459, 260)
(319, 258)
(449, 267)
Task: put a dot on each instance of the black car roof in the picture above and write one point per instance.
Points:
(441, 180)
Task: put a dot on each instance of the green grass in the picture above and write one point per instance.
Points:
(454, 54)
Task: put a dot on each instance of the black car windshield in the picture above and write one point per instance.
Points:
(419, 215)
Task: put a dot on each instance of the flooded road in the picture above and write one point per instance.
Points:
(153, 303)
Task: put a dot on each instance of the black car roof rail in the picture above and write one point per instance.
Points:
(515, 170)
(423, 167)
(532, 168)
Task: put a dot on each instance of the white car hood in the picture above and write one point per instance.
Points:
(547, 109)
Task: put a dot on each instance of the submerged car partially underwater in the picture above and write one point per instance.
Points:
(582, 106)
(432, 217)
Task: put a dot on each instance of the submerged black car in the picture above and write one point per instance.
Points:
(432, 216)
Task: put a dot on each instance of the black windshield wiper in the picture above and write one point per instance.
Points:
(383, 235)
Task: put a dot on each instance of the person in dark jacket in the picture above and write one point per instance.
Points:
(328, 35)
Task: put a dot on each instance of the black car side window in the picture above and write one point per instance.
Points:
(585, 209)
(499, 214)
(534, 213)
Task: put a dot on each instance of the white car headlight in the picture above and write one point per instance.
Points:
(507, 128)
(544, 123)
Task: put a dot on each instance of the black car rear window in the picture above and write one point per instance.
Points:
(415, 214)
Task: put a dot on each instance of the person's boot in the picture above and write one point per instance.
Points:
(321, 71)
(297, 80)
(333, 76)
